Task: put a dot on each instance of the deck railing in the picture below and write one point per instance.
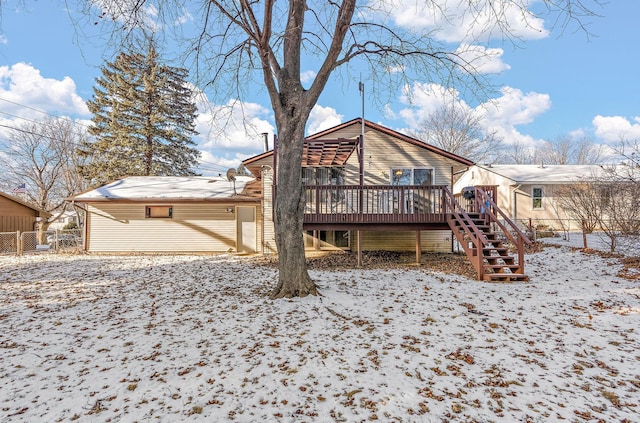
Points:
(374, 204)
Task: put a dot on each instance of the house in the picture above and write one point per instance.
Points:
(63, 220)
(368, 187)
(173, 214)
(527, 193)
(335, 162)
(18, 215)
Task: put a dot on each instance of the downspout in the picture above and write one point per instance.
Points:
(514, 209)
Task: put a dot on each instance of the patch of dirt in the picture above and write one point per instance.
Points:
(341, 260)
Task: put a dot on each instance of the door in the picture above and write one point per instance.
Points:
(246, 221)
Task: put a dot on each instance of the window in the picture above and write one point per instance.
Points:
(536, 195)
(152, 212)
(323, 176)
(418, 176)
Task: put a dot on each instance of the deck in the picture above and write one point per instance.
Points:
(375, 207)
(473, 221)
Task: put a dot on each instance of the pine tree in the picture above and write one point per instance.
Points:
(143, 120)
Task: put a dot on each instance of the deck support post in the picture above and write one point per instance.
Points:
(418, 247)
(316, 240)
(359, 238)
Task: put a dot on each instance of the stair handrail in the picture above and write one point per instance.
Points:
(456, 211)
(486, 203)
(481, 203)
(477, 237)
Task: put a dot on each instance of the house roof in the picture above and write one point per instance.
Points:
(545, 174)
(171, 188)
(321, 150)
(24, 203)
(395, 134)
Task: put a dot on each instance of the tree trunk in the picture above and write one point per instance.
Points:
(293, 277)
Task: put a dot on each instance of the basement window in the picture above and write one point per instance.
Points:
(152, 212)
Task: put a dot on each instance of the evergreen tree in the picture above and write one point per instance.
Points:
(143, 120)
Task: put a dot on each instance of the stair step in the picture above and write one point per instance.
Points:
(501, 266)
(505, 277)
(493, 260)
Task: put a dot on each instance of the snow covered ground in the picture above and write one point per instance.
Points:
(194, 338)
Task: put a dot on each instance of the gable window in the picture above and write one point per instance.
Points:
(408, 176)
(536, 196)
(152, 212)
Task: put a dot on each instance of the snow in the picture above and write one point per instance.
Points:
(545, 173)
(191, 338)
(166, 188)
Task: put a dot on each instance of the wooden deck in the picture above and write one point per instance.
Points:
(375, 207)
(473, 221)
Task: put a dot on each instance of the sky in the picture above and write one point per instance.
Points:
(187, 338)
(555, 81)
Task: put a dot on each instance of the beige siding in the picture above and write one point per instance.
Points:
(269, 233)
(550, 214)
(383, 152)
(193, 228)
(431, 241)
(15, 216)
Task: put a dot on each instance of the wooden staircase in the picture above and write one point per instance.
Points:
(485, 247)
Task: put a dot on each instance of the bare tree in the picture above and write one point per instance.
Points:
(42, 155)
(519, 153)
(585, 202)
(237, 40)
(568, 150)
(458, 129)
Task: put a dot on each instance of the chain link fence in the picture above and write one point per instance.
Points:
(9, 242)
(35, 241)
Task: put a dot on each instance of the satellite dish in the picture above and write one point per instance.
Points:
(231, 177)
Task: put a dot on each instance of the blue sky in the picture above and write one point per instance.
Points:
(559, 82)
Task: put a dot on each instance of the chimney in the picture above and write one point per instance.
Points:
(266, 141)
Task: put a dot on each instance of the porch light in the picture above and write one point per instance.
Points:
(398, 172)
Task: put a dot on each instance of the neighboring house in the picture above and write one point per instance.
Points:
(18, 215)
(173, 214)
(66, 218)
(527, 193)
(332, 171)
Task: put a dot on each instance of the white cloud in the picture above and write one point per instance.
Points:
(501, 114)
(456, 21)
(612, 129)
(322, 118)
(3, 39)
(307, 76)
(480, 59)
(25, 89)
(515, 107)
(235, 126)
(424, 99)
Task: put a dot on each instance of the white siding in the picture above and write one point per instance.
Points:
(194, 228)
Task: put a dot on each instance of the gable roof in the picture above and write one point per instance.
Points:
(394, 134)
(10, 197)
(547, 174)
(170, 188)
(319, 147)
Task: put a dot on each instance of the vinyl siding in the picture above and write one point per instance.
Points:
(382, 152)
(193, 228)
(269, 233)
(431, 241)
(15, 216)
